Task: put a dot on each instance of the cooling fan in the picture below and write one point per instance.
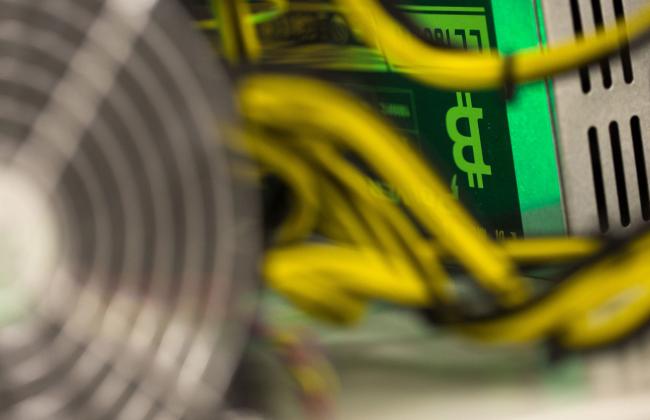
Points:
(127, 246)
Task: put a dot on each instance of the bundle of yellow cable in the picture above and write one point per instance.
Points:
(371, 249)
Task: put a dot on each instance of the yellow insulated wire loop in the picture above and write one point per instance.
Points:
(598, 304)
(335, 282)
(525, 251)
(302, 217)
(388, 221)
(454, 69)
(349, 178)
(264, 99)
(238, 34)
(541, 250)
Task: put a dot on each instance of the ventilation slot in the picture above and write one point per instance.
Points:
(626, 59)
(599, 185)
(578, 30)
(619, 173)
(639, 158)
(604, 63)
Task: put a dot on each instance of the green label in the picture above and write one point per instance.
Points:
(474, 167)
(445, 25)
(464, 135)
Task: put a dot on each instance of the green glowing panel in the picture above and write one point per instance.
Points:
(530, 121)
(497, 157)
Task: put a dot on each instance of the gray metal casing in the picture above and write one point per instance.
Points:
(578, 112)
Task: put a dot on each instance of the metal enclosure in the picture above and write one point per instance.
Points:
(602, 122)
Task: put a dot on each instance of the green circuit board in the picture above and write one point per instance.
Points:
(497, 156)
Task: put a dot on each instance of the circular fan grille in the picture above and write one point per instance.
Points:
(126, 246)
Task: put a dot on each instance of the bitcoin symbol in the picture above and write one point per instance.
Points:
(476, 169)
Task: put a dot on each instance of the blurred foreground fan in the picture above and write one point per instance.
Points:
(125, 245)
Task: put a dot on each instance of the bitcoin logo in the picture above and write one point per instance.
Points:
(475, 169)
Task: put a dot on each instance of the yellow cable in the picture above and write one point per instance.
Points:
(264, 99)
(238, 37)
(531, 250)
(340, 210)
(359, 272)
(466, 70)
(302, 218)
(581, 295)
(387, 214)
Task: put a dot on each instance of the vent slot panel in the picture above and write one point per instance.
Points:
(605, 69)
(639, 160)
(578, 30)
(626, 58)
(604, 64)
(608, 173)
(602, 116)
(599, 184)
(619, 173)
